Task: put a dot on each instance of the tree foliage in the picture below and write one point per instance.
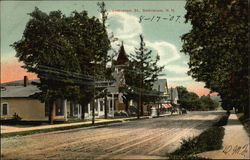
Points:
(142, 72)
(64, 52)
(191, 101)
(218, 48)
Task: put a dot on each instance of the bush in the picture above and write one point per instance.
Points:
(16, 118)
(209, 140)
(245, 121)
(132, 111)
(187, 157)
(120, 114)
(222, 121)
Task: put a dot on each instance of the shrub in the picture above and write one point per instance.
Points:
(187, 157)
(16, 118)
(222, 121)
(120, 114)
(209, 140)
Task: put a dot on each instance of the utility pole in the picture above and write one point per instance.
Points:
(93, 108)
(140, 97)
(158, 110)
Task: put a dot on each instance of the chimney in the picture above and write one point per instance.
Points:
(25, 81)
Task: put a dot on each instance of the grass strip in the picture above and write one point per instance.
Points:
(210, 139)
(24, 133)
(245, 121)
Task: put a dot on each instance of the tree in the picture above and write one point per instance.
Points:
(142, 71)
(191, 101)
(45, 51)
(89, 37)
(72, 49)
(218, 48)
(208, 103)
(107, 58)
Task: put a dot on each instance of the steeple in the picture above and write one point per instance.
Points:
(122, 58)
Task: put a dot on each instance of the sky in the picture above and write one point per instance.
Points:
(161, 23)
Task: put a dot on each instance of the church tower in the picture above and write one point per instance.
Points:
(122, 59)
(120, 64)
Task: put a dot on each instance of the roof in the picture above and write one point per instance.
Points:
(162, 83)
(16, 89)
(122, 58)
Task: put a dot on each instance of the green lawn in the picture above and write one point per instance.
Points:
(245, 121)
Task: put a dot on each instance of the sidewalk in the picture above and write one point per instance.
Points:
(235, 142)
(11, 129)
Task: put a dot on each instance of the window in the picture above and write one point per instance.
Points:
(4, 109)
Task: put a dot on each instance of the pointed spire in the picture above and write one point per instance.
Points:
(122, 58)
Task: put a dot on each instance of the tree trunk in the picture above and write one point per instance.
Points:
(93, 112)
(158, 111)
(52, 111)
(138, 107)
(126, 106)
(83, 111)
(240, 109)
(246, 111)
(105, 105)
(142, 113)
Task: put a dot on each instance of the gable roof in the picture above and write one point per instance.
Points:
(16, 89)
(162, 85)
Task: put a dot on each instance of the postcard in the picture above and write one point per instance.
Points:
(115, 79)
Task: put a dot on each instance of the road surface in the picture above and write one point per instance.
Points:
(149, 138)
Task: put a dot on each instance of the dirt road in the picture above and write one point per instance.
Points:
(150, 138)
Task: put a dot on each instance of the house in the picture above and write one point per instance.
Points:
(15, 99)
(161, 85)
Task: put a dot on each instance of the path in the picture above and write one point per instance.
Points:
(235, 142)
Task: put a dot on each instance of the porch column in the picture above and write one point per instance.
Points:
(108, 105)
(113, 104)
(89, 109)
(65, 110)
(98, 107)
(78, 111)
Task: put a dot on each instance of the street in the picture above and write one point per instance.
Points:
(149, 138)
